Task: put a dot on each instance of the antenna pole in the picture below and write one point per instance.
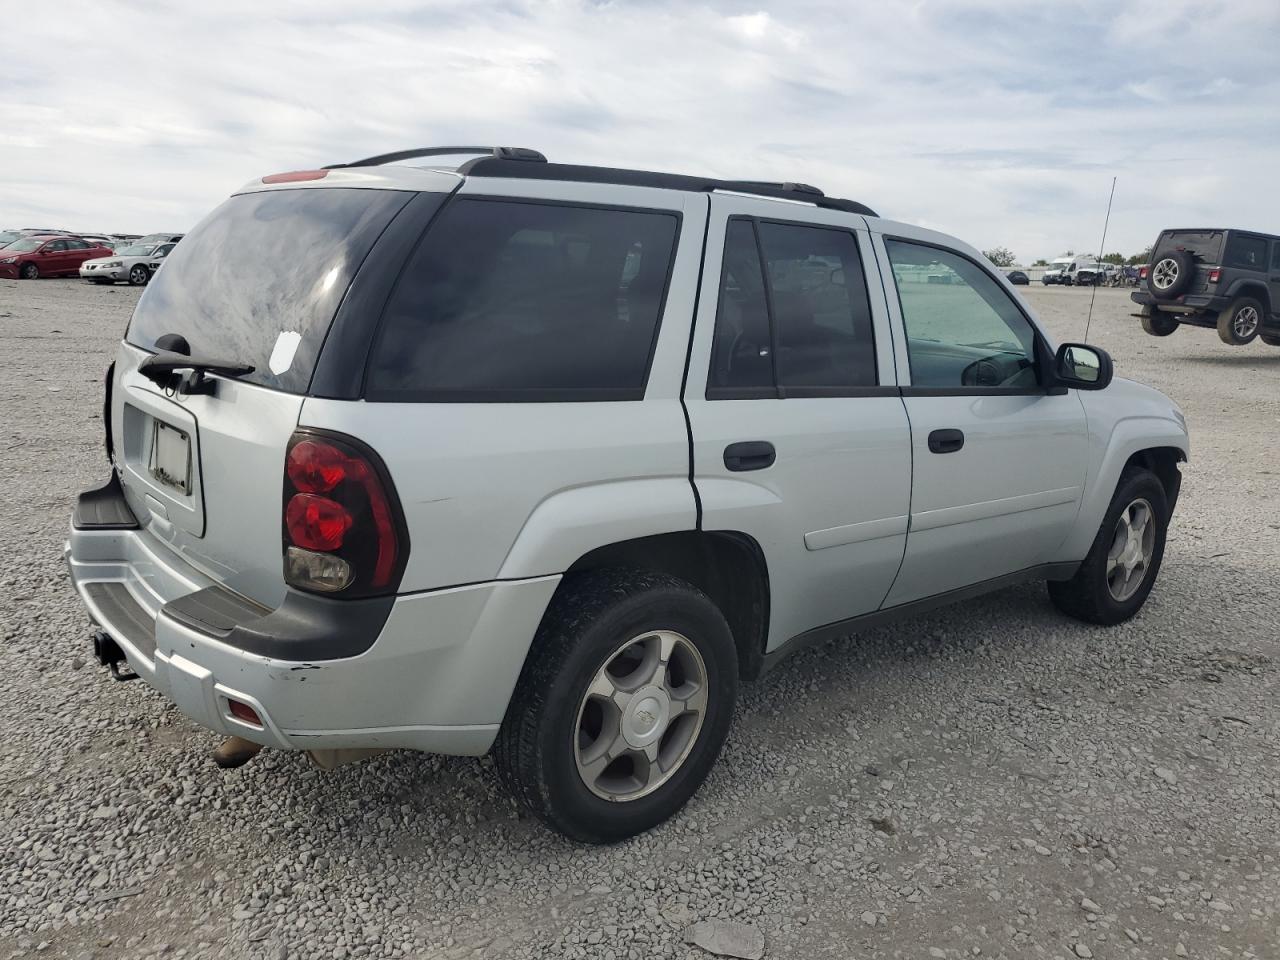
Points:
(1101, 247)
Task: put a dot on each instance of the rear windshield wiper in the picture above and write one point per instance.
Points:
(160, 368)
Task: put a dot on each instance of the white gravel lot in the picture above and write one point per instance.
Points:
(992, 780)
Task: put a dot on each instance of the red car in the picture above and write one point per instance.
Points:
(33, 257)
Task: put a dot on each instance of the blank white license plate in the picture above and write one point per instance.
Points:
(171, 457)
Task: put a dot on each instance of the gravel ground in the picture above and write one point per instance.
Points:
(989, 781)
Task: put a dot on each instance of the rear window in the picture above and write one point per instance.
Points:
(259, 280)
(509, 300)
(1206, 245)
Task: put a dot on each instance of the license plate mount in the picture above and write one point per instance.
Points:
(170, 461)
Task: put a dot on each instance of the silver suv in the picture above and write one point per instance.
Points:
(544, 460)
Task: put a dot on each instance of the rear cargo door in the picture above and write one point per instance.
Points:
(258, 282)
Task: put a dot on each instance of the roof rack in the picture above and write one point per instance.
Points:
(521, 163)
(523, 154)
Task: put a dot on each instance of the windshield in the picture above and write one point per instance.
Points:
(25, 246)
(8, 236)
(260, 279)
(136, 250)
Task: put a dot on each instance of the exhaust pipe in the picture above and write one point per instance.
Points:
(235, 752)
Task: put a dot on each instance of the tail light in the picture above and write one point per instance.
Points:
(1142, 273)
(344, 532)
(1215, 274)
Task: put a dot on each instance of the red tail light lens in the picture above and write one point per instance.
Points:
(1215, 274)
(343, 528)
(316, 523)
(1142, 273)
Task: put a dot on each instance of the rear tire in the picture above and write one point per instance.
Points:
(29, 271)
(1119, 571)
(567, 750)
(1240, 322)
(1157, 323)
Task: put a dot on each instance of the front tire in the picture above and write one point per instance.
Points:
(622, 707)
(29, 271)
(139, 275)
(1239, 323)
(1121, 567)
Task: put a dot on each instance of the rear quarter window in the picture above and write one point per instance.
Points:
(512, 300)
(261, 265)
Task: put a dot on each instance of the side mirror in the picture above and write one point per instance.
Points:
(1083, 367)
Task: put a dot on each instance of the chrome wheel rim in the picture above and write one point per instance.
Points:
(1245, 322)
(138, 275)
(640, 716)
(1133, 543)
(1165, 274)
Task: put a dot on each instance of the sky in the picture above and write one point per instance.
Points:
(1000, 123)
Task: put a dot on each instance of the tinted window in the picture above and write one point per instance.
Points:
(79, 244)
(509, 300)
(962, 328)
(57, 246)
(821, 318)
(261, 266)
(1249, 253)
(742, 351)
(821, 315)
(1275, 255)
(1205, 244)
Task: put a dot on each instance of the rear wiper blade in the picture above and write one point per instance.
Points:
(160, 367)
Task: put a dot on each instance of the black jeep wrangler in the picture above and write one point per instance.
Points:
(1228, 279)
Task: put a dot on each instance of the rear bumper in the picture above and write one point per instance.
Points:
(436, 675)
(1191, 303)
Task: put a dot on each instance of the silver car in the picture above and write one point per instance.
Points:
(131, 263)
(545, 460)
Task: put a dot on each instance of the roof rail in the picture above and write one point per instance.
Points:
(495, 166)
(501, 153)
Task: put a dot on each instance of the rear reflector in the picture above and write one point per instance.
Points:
(242, 711)
(295, 175)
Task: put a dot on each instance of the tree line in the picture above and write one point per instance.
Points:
(1004, 257)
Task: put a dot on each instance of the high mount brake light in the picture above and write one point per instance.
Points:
(343, 529)
(295, 176)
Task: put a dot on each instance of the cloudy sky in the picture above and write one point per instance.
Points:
(1000, 122)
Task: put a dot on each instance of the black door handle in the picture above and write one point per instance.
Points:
(749, 455)
(946, 441)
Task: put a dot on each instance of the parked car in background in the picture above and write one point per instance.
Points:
(1221, 278)
(8, 236)
(43, 232)
(155, 238)
(33, 257)
(677, 490)
(131, 263)
(101, 239)
(1017, 278)
(157, 258)
(1072, 271)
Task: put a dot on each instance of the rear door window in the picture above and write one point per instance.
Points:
(265, 269)
(799, 327)
(509, 300)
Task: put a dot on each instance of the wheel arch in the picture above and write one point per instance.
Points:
(728, 566)
(1249, 287)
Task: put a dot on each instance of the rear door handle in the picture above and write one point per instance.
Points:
(946, 441)
(749, 455)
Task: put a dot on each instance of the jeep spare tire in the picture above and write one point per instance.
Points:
(1170, 274)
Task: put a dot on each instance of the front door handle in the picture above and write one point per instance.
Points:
(946, 441)
(749, 455)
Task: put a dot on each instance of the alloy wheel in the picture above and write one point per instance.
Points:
(641, 715)
(1165, 274)
(1132, 546)
(1245, 322)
